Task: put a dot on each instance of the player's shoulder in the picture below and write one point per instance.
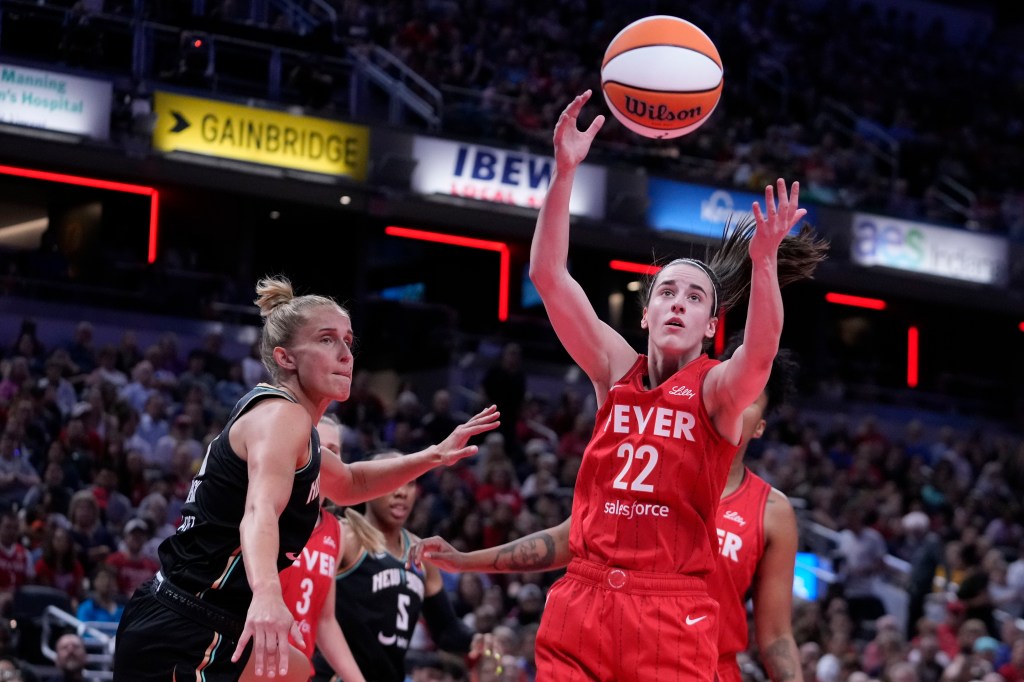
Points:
(778, 510)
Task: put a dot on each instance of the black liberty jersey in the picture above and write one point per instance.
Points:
(205, 556)
(377, 604)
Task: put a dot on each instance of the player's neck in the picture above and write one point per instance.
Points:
(736, 473)
(393, 541)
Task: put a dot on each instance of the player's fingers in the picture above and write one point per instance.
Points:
(259, 652)
(282, 655)
(242, 641)
(595, 126)
(758, 216)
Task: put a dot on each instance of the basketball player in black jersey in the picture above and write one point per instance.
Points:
(379, 599)
(253, 504)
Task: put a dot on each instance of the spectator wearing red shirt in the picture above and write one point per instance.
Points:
(947, 630)
(132, 566)
(16, 567)
(1013, 670)
(574, 442)
(499, 486)
(59, 566)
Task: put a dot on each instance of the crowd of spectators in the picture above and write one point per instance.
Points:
(100, 441)
(872, 106)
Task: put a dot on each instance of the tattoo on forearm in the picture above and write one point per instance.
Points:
(528, 554)
(780, 661)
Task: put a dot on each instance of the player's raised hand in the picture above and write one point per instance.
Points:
(571, 143)
(453, 448)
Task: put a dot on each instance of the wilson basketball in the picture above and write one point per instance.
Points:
(661, 77)
(299, 669)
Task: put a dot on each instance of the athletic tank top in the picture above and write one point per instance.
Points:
(647, 491)
(306, 583)
(378, 602)
(205, 555)
(741, 546)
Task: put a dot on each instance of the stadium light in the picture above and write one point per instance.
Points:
(856, 301)
(151, 192)
(913, 356)
(455, 240)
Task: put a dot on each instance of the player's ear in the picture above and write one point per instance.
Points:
(759, 429)
(283, 358)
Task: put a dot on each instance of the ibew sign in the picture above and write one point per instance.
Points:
(500, 175)
(54, 101)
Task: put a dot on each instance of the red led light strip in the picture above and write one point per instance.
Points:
(913, 356)
(455, 240)
(856, 301)
(151, 192)
(639, 268)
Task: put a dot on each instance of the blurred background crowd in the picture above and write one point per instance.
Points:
(917, 524)
(913, 519)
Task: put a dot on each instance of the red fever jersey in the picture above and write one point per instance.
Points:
(647, 491)
(741, 546)
(306, 583)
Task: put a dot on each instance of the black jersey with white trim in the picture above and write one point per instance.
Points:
(205, 557)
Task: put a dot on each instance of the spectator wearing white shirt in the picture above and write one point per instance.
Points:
(142, 386)
(862, 550)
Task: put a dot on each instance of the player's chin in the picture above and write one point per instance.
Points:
(340, 388)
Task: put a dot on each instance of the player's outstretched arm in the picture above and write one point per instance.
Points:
(545, 550)
(348, 484)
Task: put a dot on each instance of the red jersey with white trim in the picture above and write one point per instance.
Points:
(647, 490)
(741, 539)
(307, 582)
(16, 567)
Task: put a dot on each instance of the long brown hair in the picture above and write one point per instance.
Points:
(729, 268)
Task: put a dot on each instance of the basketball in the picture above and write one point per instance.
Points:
(661, 77)
(299, 669)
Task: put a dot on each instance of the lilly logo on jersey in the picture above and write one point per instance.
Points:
(636, 509)
(734, 516)
(682, 391)
(329, 542)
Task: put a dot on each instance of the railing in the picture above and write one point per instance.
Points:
(138, 53)
(882, 146)
(405, 89)
(304, 21)
(956, 197)
(97, 637)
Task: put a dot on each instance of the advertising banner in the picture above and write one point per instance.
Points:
(273, 138)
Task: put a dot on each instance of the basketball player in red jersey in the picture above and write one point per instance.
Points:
(757, 537)
(634, 603)
(308, 584)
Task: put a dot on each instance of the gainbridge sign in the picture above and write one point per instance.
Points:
(273, 138)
